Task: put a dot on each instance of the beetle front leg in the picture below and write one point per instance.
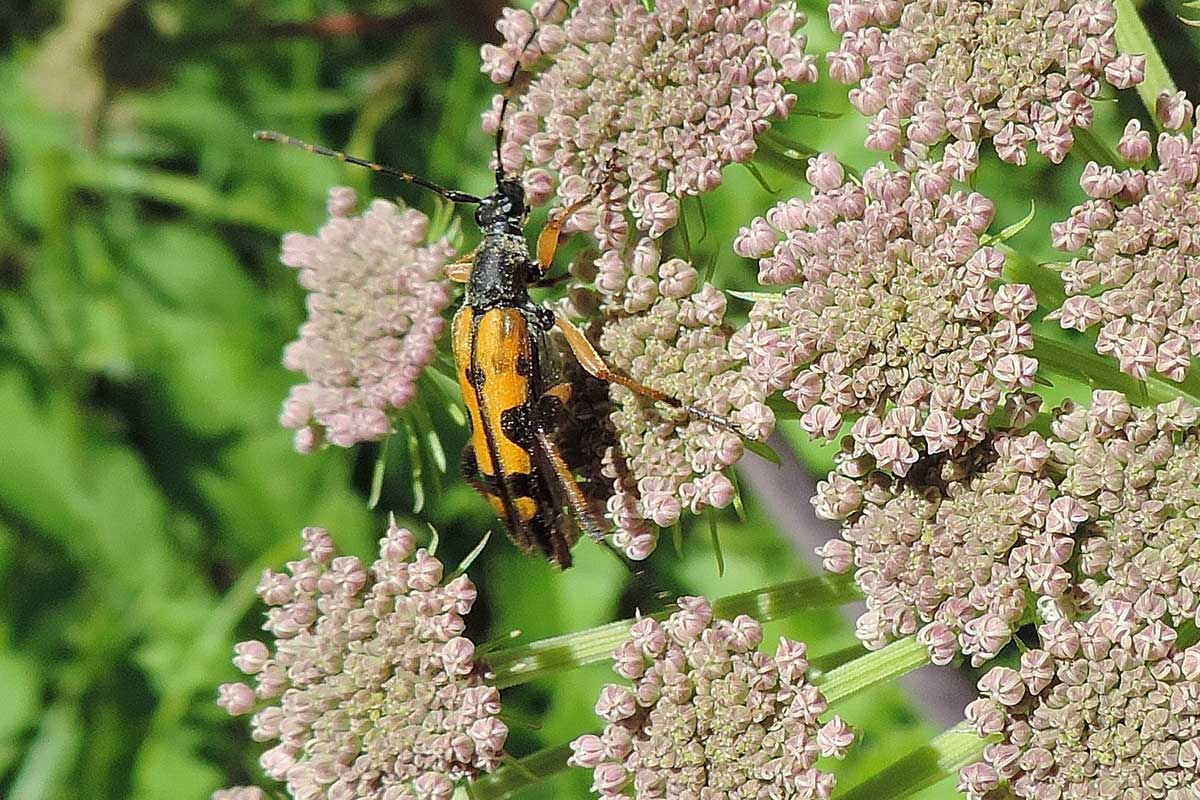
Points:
(460, 271)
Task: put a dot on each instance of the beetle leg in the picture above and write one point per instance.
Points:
(580, 507)
(547, 243)
(591, 361)
(460, 271)
(548, 239)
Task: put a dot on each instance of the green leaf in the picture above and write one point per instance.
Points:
(763, 450)
(1012, 230)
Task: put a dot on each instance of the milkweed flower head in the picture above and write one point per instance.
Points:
(1138, 275)
(892, 313)
(1014, 71)
(649, 104)
(708, 715)
(950, 552)
(1107, 707)
(376, 291)
(1135, 469)
(370, 689)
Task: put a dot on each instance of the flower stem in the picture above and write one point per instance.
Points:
(523, 663)
(1045, 282)
(1061, 358)
(898, 658)
(1133, 38)
(520, 773)
(923, 767)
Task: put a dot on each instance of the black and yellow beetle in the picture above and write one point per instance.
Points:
(509, 370)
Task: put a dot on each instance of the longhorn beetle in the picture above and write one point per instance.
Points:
(508, 369)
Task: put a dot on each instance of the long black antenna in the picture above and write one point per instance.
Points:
(453, 195)
(512, 79)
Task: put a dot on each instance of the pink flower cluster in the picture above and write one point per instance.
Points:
(376, 292)
(371, 689)
(651, 103)
(1107, 707)
(951, 555)
(709, 716)
(1138, 277)
(893, 310)
(1014, 71)
(673, 340)
(1135, 469)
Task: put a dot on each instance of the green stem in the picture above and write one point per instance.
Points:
(1101, 372)
(1093, 148)
(925, 766)
(523, 663)
(1133, 38)
(527, 771)
(898, 658)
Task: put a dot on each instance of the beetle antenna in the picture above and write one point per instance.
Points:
(453, 195)
(512, 79)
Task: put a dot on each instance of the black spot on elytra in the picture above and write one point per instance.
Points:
(517, 425)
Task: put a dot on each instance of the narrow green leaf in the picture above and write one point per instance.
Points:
(471, 556)
(1014, 229)
(521, 773)
(1093, 148)
(684, 239)
(704, 222)
(753, 297)
(715, 535)
(818, 113)
(763, 450)
(738, 506)
(416, 466)
(758, 176)
(377, 474)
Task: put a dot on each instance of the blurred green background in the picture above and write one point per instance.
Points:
(144, 481)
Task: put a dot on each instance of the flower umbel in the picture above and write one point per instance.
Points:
(1109, 707)
(376, 292)
(649, 103)
(710, 716)
(372, 690)
(950, 554)
(675, 342)
(1139, 275)
(1135, 469)
(1015, 71)
(893, 310)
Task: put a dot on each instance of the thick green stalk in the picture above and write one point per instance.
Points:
(527, 662)
(898, 658)
(1133, 38)
(519, 773)
(1060, 358)
(925, 766)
